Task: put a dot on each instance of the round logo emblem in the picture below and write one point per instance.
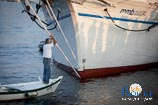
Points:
(135, 89)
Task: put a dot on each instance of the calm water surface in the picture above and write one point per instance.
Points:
(20, 61)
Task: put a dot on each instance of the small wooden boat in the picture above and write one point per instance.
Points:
(28, 90)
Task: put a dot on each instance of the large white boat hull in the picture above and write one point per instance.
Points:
(101, 47)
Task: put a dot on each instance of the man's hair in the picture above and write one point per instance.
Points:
(47, 41)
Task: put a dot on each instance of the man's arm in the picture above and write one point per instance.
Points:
(53, 39)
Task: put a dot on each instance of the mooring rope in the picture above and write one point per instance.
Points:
(62, 32)
(52, 19)
(34, 18)
(49, 34)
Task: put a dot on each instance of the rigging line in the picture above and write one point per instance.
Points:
(38, 17)
(105, 2)
(52, 19)
(50, 15)
(68, 60)
(43, 28)
(38, 6)
(147, 29)
(49, 34)
(33, 17)
(58, 15)
(62, 32)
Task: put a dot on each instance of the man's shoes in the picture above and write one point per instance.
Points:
(45, 82)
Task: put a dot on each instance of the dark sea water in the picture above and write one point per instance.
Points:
(20, 61)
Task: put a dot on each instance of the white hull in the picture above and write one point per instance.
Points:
(98, 43)
(28, 90)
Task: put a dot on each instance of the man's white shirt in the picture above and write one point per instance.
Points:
(47, 50)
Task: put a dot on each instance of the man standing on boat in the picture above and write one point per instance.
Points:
(47, 55)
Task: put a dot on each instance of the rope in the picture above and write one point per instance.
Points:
(147, 29)
(38, 6)
(43, 28)
(56, 22)
(34, 18)
(63, 34)
(105, 2)
(49, 23)
(67, 59)
(49, 34)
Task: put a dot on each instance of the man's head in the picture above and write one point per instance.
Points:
(47, 41)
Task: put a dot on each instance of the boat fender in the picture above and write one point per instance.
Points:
(31, 94)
